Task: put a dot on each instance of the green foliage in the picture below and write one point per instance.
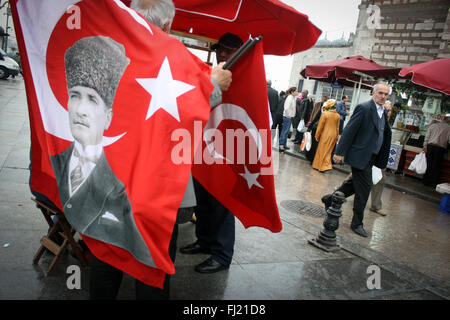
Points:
(418, 92)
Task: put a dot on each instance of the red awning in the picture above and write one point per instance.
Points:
(285, 30)
(431, 74)
(341, 71)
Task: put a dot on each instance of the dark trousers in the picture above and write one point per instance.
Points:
(105, 280)
(278, 123)
(341, 125)
(299, 136)
(359, 184)
(215, 226)
(435, 159)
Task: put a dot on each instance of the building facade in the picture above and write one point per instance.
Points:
(394, 33)
(410, 31)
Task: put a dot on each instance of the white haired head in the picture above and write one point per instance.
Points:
(158, 12)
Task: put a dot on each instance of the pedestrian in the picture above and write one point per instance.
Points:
(288, 114)
(327, 134)
(104, 279)
(435, 147)
(273, 102)
(394, 112)
(312, 127)
(301, 106)
(215, 225)
(279, 113)
(341, 109)
(377, 189)
(365, 141)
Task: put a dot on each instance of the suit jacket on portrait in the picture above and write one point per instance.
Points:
(360, 136)
(100, 207)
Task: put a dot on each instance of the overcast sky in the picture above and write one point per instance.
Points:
(331, 16)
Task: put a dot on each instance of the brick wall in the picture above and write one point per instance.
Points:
(412, 31)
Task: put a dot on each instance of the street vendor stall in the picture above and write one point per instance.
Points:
(426, 87)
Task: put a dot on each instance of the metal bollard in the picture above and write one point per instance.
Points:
(326, 240)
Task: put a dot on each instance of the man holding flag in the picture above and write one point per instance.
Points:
(215, 225)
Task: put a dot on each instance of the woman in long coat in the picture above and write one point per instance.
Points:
(327, 134)
(312, 127)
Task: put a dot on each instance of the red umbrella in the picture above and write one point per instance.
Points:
(342, 71)
(431, 74)
(285, 30)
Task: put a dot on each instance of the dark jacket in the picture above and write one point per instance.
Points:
(280, 106)
(273, 99)
(359, 137)
(100, 207)
(306, 110)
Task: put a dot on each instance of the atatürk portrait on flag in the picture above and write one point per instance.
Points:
(94, 199)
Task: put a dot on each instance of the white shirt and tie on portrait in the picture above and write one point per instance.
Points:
(82, 162)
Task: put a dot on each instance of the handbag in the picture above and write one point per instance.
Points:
(419, 164)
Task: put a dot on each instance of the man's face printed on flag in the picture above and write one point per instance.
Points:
(89, 116)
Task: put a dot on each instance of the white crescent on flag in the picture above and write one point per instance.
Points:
(54, 116)
(229, 111)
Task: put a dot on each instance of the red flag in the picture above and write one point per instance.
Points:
(105, 91)
(236, 165)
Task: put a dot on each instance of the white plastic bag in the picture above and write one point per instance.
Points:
(419, 164)
(301, 126)
(308, 140)
(377, 175)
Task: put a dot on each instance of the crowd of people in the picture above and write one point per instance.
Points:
(364, 142)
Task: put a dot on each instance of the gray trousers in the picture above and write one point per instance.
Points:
(377, 191)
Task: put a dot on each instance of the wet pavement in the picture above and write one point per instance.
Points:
(410, 245)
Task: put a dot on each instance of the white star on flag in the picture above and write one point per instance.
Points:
(164, 91)
(251, 178)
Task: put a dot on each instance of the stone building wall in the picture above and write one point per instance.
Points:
(411, 31)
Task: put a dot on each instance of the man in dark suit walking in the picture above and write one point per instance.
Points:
(365, 141)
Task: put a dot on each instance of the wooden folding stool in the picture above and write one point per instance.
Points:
(50, 242)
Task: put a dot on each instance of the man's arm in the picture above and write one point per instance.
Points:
(340, 108)
(351, 129)
(221, 80)
(222, 77)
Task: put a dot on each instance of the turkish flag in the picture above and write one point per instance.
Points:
(148, 87)
(235, 162)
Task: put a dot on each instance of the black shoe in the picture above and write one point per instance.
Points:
(193, 248)
(210, 266)
(359, 230)
(327, 199)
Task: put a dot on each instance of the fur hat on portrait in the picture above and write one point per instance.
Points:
(98, 63)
